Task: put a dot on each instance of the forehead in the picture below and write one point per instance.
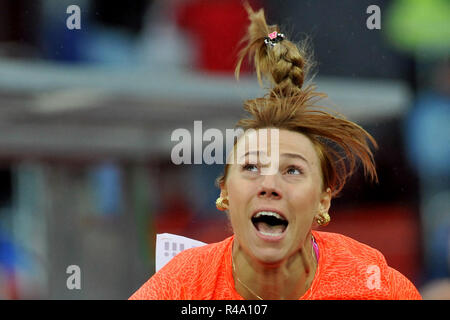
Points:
(288, 142)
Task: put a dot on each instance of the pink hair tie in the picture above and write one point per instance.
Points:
(273, 38)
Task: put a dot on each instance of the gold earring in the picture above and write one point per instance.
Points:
(324, 219)
(220, 204)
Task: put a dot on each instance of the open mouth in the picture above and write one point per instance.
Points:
(269, 223)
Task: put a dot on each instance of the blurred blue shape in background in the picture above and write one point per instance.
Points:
(428, 146)
(7, 253)
(428, 134)
(107, 184)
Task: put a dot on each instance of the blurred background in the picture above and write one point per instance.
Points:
(86, 117)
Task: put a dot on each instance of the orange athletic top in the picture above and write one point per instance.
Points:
(347, 269)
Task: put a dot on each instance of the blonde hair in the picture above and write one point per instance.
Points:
(287, 105)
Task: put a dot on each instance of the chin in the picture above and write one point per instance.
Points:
(269, 255)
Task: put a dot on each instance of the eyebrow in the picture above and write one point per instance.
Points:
(295, 156)
(288, 155)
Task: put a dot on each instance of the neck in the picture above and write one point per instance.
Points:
(285, 280)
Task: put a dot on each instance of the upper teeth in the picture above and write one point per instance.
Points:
(269, 213)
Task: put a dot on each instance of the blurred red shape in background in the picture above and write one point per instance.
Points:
(218, 26)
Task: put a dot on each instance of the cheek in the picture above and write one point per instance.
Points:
(304, 202)
(237, 196)
(238, 188)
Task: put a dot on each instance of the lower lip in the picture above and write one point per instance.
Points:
(274, 238)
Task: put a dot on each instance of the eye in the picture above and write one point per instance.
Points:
(250, 167)
(294, 170)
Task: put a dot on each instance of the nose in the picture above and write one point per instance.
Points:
(269, 189)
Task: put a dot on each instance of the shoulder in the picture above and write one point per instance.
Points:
(344, 247)
(186, 274)
(362, 271)
(401, 287)
(196, 262)
(208, 254)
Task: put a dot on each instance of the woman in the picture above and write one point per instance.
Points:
(274, 252)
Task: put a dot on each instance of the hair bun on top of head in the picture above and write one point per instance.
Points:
(288, 105)
(277, 59)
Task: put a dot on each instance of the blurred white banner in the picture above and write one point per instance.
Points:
(169, 245)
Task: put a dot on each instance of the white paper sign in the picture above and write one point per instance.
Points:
(169, 245)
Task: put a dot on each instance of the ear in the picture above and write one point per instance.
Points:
(324, 205)
(223, 191)
(325, 200)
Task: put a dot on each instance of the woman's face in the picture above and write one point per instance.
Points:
(258, 197)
